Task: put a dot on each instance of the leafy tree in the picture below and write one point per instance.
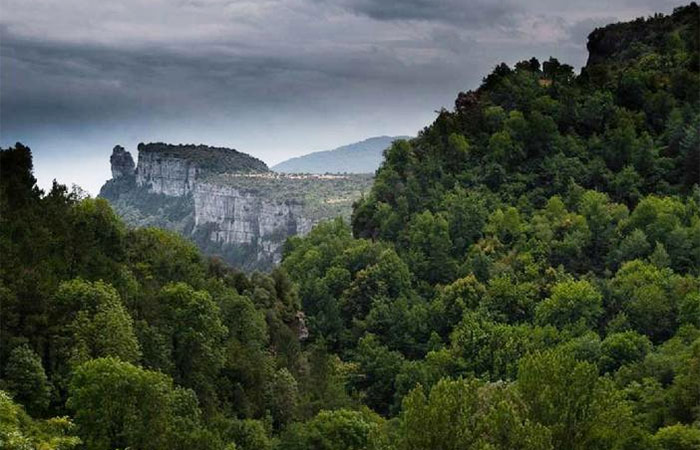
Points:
(190, 321)
(623, 348)
(507, 300)
(649, 296)
(119, 405)
(283, 397)
(96, 320)
(456, 299)
(566, 396)
(248, 434)
(685, 392)
(468, 414)
(379, 367)
(571, 303)
(492, 350)
(26, 380)
(18, 431)
(677, 437)
(429, 247)
(342, 429)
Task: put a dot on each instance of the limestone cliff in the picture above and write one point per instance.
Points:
(229, 203)
(165, 175)
(122, 163)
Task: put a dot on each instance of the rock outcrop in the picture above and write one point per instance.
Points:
(229, 203)
(122, 163)
(170, 176)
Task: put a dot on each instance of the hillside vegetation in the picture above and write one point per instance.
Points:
(525, 274)
(206, 158)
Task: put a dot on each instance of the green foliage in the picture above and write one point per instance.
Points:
(468, 414)
(18, 431)
(623, 348)
(26, 380)
(580, 409)
(677, 437)
(249, 434)
(492, 350)
(99, 324)
(571, 303)
(118, 405)
(649, 297)
(429, 248)
(189, 324)
(216, 159)
(336, 430)
(378, 366)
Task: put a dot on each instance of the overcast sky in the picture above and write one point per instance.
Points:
(273, 78)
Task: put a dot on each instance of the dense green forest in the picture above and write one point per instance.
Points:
(525, 274)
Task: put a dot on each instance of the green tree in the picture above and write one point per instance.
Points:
(190, 321)
(342, 429)
(18, 431)
(95, 320)
(26, 380)
(650, 297)
(454, 300)
(429, 248)
(283, 397)
(571, 303)
(378, 369)
(565, 395)
(119, 405)
(468, 414)
(619, 349)
(677, 437)
(685, 391)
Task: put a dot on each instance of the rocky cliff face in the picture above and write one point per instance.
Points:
(236, 214)
(247, 218)
(166, 175)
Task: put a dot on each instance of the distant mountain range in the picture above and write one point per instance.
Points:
(360, 157)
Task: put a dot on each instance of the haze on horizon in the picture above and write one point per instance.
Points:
(273, 78)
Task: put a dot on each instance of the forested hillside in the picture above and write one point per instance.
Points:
(525, 274)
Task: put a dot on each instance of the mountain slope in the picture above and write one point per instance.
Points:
(627, 126)
(360, 157)
(539, 243)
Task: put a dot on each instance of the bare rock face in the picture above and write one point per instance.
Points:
(166, 175)
(243, 217)
(122, 163)
(302, 329)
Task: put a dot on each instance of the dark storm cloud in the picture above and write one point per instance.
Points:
(64, 82)
(472, 13)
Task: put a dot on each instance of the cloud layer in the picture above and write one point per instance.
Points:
(276, 78)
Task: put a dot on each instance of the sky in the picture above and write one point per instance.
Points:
(272, 78)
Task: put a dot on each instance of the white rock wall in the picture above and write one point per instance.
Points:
(165, 175)
(239, 217)
(244, 218)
